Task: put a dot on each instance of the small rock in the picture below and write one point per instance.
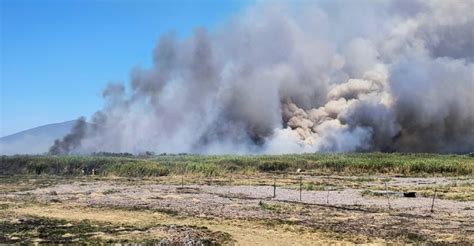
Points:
(68, 225)
(410, 194)
(67, 235)
(55, 200)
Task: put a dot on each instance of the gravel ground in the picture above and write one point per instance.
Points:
(152, 195)
(343, 211)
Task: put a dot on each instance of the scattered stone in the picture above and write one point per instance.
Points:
(14, 238)
(409, 194)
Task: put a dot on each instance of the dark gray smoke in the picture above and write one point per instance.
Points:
(71, 141)
(301, 77)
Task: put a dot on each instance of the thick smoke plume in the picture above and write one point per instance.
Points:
(71, 141)
(301, 77)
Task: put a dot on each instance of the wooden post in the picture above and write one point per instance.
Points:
(301, 186)
(328, 189)
(182, 181)
(274, 187)
(327, 195)
(432, 203)
(388, 197)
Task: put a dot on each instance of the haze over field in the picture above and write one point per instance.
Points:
(300, 77)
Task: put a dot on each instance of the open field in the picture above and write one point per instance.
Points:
(353, 198)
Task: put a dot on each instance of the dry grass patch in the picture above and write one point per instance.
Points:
(242, 231)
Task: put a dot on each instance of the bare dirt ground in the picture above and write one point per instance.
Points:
(241, 210)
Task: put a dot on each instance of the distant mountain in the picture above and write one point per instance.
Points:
(36, 140)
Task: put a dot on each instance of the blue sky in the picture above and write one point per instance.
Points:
(57, 56)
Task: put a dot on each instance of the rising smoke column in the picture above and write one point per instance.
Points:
(71, 141)
(303, 77)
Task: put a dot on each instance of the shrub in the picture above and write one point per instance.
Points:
(273, 166)
(138, 169)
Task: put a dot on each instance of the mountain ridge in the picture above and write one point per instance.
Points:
(36, 140)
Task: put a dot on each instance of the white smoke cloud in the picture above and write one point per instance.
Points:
(303, 77)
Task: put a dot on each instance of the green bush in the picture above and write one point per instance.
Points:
(137, 169)
(273, 166)
(208, 169)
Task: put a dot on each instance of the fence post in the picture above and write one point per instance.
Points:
(301, 185)
(274, 187)
(432, 203)
(328, 189)
(327, 196)
(182, 181)
(388, 197)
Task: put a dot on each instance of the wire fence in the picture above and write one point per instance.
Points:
(300, 189)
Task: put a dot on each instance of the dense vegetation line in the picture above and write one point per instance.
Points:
(215, 165)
